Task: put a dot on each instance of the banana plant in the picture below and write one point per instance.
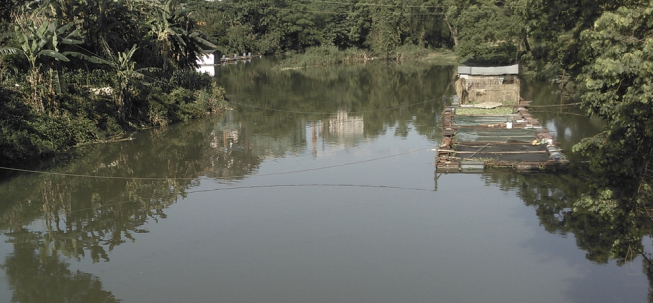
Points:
(39, 38)
(126, 72)
(37, 41)
(173, 33)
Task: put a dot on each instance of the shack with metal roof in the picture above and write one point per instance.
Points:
(479, 85)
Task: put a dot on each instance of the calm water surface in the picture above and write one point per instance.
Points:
(319, 186)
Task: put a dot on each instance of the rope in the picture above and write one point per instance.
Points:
(556, 105)
(262, 186)
(564, 113)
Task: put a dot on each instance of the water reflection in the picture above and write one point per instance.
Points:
(621, 241)
(43, 277)
(305, 115)
(553, 197)
(375, 96)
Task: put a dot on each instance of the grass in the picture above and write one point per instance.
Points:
(442, 57)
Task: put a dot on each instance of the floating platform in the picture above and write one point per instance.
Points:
(487, 136)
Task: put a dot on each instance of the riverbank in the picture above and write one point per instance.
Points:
(88, 113)
(69, 79)
(330, 55)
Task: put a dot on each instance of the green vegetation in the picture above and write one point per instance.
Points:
(325, 56)
(480, 31)
(616, 80)
(368, 29)
(77, 71)
(542, 35)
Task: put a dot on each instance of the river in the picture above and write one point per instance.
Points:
(319, 186)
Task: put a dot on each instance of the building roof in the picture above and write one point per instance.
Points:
(489, 71)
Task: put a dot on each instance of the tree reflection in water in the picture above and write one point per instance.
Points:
(51, 217)
(554, 198)
(37, 276)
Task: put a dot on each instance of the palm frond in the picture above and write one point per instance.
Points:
(71, 41)
(10, 51)
(92, 59)
(64, 28)
(203, 41)
(74, 33)
(53, 54)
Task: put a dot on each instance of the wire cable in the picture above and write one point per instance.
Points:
(262, 187)
(310, 185)
(198, 177)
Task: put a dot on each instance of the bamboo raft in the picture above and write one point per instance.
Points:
(505, 137)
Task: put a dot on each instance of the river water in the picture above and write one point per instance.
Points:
(319, 186)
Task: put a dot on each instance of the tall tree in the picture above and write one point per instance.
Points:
(488, 33)
(617, 86)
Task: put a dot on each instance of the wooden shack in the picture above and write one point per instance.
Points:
(478, 85)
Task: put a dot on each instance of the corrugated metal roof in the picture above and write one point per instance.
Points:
(489, 71)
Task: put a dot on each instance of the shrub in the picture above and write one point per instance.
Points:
(411, 52)
(212, 99)
(189, 79)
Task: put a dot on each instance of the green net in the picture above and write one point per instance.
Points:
(495, 135)
(484, 111)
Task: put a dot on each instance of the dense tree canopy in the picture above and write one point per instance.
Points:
(270, 27)
(617, 86)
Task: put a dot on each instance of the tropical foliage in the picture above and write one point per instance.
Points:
(616, 83)
(78, 71)
(277, 27)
